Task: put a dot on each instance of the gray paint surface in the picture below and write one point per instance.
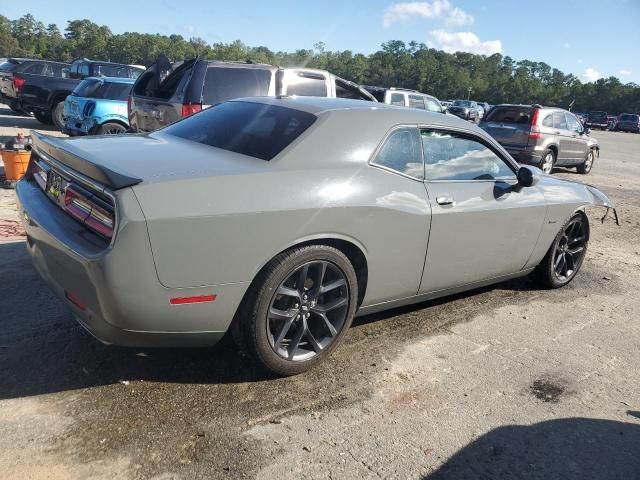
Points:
(205, 221)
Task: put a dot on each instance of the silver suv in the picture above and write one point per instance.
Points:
(405, 97)
(165, 93)
(542, 136)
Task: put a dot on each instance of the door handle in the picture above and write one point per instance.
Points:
(445, 200)
(557, 132)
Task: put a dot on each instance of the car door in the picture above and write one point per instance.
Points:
(483, 225)
(404, 216)
(577, 140)
(565, 147)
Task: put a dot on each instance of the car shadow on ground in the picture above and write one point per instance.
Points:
(43, 350)
(568, 449)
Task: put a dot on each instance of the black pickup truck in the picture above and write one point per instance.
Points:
(44, 95)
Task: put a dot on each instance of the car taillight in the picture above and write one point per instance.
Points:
(190, 109)
(534, 132)
(18, 83)
(89, 209)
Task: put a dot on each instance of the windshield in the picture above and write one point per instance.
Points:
(462, 103)
(224, 83)
(598, 115)
(254, 129)
(627, 117)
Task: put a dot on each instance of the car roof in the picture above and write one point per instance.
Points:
(130, 81)
(396, 114)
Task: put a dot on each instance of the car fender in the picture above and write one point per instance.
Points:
(318, 237)
(111, 118)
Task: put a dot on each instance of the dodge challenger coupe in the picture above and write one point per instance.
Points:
(280, 219)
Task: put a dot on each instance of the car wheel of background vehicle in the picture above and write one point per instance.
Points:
(111, 128)
(586, 166)
(57, 115)
(564, 258)
(43, 118)
(298, 309)
(548, 161)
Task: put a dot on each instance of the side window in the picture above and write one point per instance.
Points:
(397, 99)
(559, 121)
(83, 70)
(73, 73)
(416, 101)
(35, 68)
(548, 121)
(573, 123)
(401, 153)
(432, 105)
(452, 156)
(307, 85)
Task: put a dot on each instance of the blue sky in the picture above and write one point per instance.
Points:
(590, 38)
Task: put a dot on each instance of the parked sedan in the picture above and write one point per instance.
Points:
(466, 109)
(280, 219)
(98, 106)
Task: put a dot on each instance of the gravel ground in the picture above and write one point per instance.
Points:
(503, 382)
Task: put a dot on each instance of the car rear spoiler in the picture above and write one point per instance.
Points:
(61, 151)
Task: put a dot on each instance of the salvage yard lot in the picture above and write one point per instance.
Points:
(503, 382)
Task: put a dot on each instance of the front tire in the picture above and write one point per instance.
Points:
(298, 309)
(566, 254)
(586, 166)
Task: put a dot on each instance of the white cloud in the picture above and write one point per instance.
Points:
(590, 75)
(452, 42)
(436, 9)
(625, 73)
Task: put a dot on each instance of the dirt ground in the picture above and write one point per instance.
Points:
(503, 382)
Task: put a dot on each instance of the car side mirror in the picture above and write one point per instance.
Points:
(527, 176)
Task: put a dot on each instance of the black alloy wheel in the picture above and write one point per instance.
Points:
(565, 256)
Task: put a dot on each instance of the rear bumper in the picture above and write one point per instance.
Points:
(525, 157)
(116, 293)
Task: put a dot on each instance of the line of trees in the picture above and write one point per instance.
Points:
(494, 79)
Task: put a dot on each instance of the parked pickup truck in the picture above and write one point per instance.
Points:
(44, 95)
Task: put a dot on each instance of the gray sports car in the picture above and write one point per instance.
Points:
(281, 218)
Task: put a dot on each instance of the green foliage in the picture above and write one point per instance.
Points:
(493, 79)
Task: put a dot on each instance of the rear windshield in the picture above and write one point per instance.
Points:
(254, 129)
(598, 115)
(510, 114)
(223, 83)
(627, 117)
(91, 88)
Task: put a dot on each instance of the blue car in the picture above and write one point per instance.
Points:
(98, 106)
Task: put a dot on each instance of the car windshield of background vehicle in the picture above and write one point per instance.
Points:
(87, 88)
(462, 103)
(451, 156)
(222, 84)
(113, 91)
(254, 129)
(432, 105)
(401, 153)
(520, 115)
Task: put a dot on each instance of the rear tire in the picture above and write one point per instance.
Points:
(565, 256)
(44, 118)
(312, 327)
(548, 161)
(111, 128)
(586, 166)
(57, 115)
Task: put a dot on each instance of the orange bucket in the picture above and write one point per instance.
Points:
(15, 164)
